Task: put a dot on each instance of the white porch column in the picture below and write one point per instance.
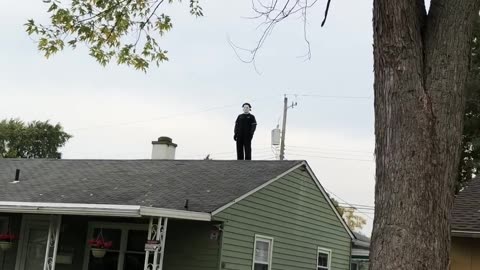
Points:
(157, 232)
(52, 242)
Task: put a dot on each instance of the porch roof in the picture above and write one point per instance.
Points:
(99, 210)
(139, 187)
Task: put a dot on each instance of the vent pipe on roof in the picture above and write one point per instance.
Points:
(186, 205)
(17, 175)
(163, 148)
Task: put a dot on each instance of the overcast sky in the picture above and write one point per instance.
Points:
(115, 112)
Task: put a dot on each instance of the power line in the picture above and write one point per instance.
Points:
(258, 150)
(347, 203)
(361, 205)
(155, 119)
(331, 148)
(168, 116)
(359, 208)
(330, 157)
(341, 154)
(330, 96)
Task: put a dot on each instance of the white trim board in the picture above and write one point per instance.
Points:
(99, 210)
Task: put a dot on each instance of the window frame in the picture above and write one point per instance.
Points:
(328, 252)
(359, 263)
(266, 239)
(124, 229)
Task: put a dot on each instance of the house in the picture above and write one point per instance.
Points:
(360, 252)
(465, 250)
(465, 233)
(168, 214)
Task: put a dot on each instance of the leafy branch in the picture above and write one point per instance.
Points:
(107, 28)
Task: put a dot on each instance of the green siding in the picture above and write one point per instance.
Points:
(294, 212)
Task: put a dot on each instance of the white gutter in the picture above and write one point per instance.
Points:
(71, 209)
(110, 210)
(172, 213)
(361, 243)
(360, 252)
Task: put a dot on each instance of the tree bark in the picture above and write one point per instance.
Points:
(421, 65)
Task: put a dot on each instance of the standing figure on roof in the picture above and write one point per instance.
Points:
(244, 129)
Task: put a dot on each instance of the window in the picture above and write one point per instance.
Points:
(359, 264)
(128, 246)
(323, 259)
(4, 225)
(262, 253)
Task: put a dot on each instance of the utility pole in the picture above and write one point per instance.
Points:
(284, 125)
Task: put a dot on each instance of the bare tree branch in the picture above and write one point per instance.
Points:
(326, 13)
(274, 12)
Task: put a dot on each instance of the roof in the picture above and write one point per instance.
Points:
(361, 242)
(466, 210)
(362, 237)
(206, 184)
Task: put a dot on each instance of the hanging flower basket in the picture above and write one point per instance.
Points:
(6, 241)
(99, 247)
(99, 252)
(5, 245)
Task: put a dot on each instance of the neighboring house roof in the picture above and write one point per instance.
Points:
(361, 237)
(361, 246)
(466, 210)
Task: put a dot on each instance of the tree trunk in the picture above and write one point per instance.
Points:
(421, 65)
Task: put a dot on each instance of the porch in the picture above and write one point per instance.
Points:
(55, 241)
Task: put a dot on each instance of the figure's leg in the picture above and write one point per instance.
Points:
(248, 149)
(239, 149)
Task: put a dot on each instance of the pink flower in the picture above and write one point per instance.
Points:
(7, 237)
(98, 243)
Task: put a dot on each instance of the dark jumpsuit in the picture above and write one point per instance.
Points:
(244, 129)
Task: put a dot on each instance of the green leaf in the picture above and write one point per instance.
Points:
(110, 29)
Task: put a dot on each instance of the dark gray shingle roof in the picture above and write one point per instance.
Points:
(207, 184)
(466, 209)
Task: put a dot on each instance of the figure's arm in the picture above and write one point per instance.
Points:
(236, 129)
(254, 126)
